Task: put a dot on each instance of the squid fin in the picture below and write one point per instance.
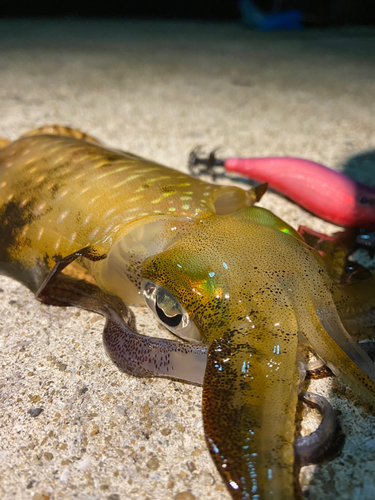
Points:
(255, 194)
(62, 130)
(3, 142)
(88, 252)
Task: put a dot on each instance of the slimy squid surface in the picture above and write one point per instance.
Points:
(238, 286)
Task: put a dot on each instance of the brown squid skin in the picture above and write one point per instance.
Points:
(255, 453)
(251, 383)
(248, 281)
(252, 288)
(61, 191)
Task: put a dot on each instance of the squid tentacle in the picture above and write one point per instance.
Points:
(355, 304)
(317, 368)
(312, 448)
(327, 336)
(133, 353)
(144, 356)
(256, 405)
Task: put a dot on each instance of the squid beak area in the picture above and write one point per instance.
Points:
(249, 434)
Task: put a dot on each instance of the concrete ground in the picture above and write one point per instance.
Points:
(159, 89)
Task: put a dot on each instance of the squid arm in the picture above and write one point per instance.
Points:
(143, 356)
(354, 298)
(133, 353)
(249, 404)
(356, 308)
(339, 351)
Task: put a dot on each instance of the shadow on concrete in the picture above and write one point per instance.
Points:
(361, 167)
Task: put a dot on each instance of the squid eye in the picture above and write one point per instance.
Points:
(169, 311)
(172, 320)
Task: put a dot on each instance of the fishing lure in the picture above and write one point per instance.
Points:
(326, 193)
(236, 284)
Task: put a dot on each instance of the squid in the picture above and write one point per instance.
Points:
(98, 228)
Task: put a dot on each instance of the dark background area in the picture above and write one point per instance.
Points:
(316, 12)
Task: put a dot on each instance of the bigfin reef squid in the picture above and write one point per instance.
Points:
(239, 287)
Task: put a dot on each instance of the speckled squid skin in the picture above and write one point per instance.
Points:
(251, 285)
(59, 194)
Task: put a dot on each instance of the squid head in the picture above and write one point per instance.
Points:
(220, 285)
(247, 286)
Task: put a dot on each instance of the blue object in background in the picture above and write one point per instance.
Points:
(252, 16)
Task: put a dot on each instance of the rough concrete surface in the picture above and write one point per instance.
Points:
(159, 89)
